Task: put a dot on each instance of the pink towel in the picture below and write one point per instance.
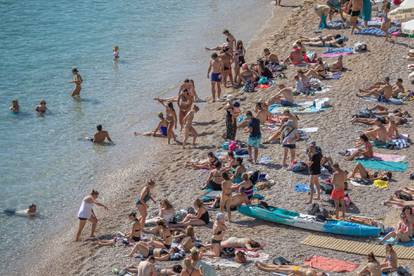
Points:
(385, 156)
(331, 265)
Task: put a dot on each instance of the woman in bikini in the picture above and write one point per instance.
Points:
(373, 267)
(207, 164)
(185, 102)
(238, 171)
(219, 229)
(200, 218)
(166, 212)
(215, 177)
(189, 269)
(77, 80)
(171, 118)
(317, 71)
(163, 232)
(366, 151)
(144, 197)
(135, 234)
(292, 270)
(239, 60)
(160, 131)
(247, 243)
(390, 263)
(404, 229)
(245, 187)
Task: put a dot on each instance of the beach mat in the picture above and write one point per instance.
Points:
(330, 264)
(222, 262)
(380, 165)
(377, 32)
(356, 247)
(301, 108)
(336, 52)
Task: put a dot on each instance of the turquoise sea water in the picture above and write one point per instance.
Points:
(42, 159)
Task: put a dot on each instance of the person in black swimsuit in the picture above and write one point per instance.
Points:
(315, 157)
(201, 217)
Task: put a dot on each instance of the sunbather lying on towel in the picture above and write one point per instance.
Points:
(207, 164)
(317, 71)
(385, 111)
(360, 172)
(283, 97)
(365, 151)
(247, 243)
(383, 91)
(379, 132)
(333, 42)
(169, 271)
(322, 38)
(160, 254)
(404, 229)
(337, 66)
(391, 120)
(289, 269)
(398, 202)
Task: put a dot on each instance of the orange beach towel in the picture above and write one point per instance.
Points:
(331, 265)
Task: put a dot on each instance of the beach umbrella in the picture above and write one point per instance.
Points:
(404, 12)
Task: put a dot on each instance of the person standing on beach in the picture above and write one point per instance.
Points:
(230, 40)
(315, 157)
(355, 7)
(171, 117)
(77, 80)
(255, 136)
(338, 193)
(100, 136)
(227, 59)
(216, 69)
(188, 126)
(86, 213)
(144, 197)
(147, 268)
(278, 2)
(184, 102)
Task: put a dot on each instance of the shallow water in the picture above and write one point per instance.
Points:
(43, 159)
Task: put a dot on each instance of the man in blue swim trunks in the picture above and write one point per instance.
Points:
(255, 136)
(216, 69)
(284, 97)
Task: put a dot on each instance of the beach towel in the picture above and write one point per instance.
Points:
(250, 256)
(380, 165)
(336, 52)
(302, 188)
(336, 25)
(360, 182)
(378, 32)
(381, 184)
(318, 105)
(333, 76)
(390, 101)
(309, 129)
(330, 264)
(265, 160)
(393, 242)
(383, 156)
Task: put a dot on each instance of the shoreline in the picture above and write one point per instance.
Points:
(174, 181)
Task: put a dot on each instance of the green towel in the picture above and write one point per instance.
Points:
(380, 165)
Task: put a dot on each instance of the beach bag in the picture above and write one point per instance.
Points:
(300, 167)
(360, 47)
(310, 57)
(412, 176)
(402, 271)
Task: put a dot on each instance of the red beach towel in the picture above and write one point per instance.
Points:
(331, 265)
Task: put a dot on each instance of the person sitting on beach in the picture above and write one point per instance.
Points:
(200, 218)
(215, 177)
(373, 267)
(317, 71)
(171, 118)
(365, 152)
(271, 60)
(41, 108)
(390, 263)
(143, 198)
(245, 187)
(184, 102)
(86, 213)
(115, 52)
(186, 238)
(382, 91)
(166, 212)
(295, 57)
(247, 243)
(165, 236)
(101, 135)
(404, 230)
(289, 136)
(289, 269)
(219, 230)
(262, 71)
(14, 107)
(336, 41)
(379, 133)
(216, 69)
(135, 234)
(337, 66)
(77, 80)
(160, 131)
(247, 78)
(30, 212)
(283, 97)
(188, 126)
(302, 82)
(262, 112)
(338, 192)
(147, 268)
(189, 269)
(207, 164)
(398, 88)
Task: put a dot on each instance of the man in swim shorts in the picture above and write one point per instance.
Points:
(216, 69)
(284, 97)
(355, 7)
(338, 192)
(255, 136)
(101, 135)
(188, 126)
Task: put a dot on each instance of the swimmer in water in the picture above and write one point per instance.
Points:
(14, 107)
(41, 108)
(115, 52)
(77, 80)
(160, 131)
(31, 211)
(101, 135)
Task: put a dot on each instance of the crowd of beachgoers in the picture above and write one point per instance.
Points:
(235, 175)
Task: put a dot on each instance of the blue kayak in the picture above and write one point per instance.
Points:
(309, 222)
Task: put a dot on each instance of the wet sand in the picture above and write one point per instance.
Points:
(181, 185)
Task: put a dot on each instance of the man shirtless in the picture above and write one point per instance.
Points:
(269, 57)
(292, 270)
(379, 132)
(381, 90)
(262, 112)
(234, 242)
(355, 7)
(147, 268)
(398, 88)
(227, 59)
(216, 69)
(283, 97)
(101, 135)
(188, 126)
(338, 192)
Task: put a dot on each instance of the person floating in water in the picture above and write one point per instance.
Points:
(101, 135)
(31, 211)
(14, 107)
(115, 52)
(77, 80)
(41, 107)
(160, 131)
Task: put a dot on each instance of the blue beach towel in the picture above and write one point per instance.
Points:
(376, 31)
(394, 242)
(302, 188)
(339, 50)
(380, 165)
(336, 25)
